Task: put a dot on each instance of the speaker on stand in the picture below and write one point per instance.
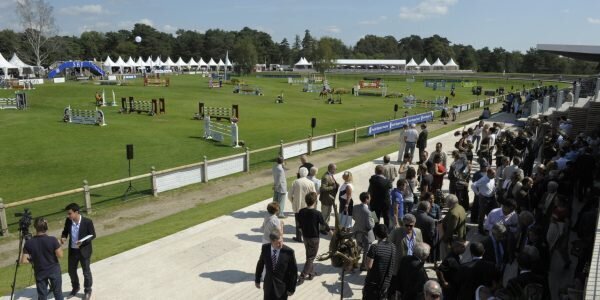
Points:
(130, 188)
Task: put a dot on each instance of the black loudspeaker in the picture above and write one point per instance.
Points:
(395, 107)
(129, 151)
(313, 122)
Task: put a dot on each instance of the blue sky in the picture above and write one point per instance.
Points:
(513, 25)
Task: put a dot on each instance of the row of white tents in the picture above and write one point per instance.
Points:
(168, 63)
(451, 65)
(14, 63)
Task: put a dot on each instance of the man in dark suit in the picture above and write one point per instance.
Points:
(379, 189)
(411, 273)
(474, 273)
(425, 222)
(77, 228)
(281, 271)
(422, 142)
(496, 247)
(527, 283)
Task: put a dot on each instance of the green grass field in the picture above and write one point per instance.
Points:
(40, 154)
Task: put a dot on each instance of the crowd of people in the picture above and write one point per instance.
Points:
(527, 183)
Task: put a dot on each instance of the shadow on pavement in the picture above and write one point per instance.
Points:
(228, 276)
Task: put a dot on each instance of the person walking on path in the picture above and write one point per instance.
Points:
(281, 271)
(422, 142)
(300, 188)
(328, 191)
(410, 138)
(310, 219)
(279, 185)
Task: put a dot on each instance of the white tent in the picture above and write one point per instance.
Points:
(140, 62)
(158, 62)
(5, 65)
(412, 64)
(425, 64)
(169, 63)
(192, 63)
(451, 65)
(120, 63)
(131, 63)
(17, 62)
(202, 64)
(212, 63)
(108, 62)
(438, 65)
(180, 63)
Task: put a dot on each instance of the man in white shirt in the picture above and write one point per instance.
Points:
(410, 138)
(505, 215)
(485, 190)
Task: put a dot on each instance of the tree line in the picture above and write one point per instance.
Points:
(248, 47)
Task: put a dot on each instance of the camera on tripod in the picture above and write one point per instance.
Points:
(24, 223)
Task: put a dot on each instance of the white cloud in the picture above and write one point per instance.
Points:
(333, 29)
(169, 29)
(89, 9)
(593, 20)
(426, 9)
(373, 22)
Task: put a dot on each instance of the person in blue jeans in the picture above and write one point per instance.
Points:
(396, 195)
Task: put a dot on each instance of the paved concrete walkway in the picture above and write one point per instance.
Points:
(216, 259)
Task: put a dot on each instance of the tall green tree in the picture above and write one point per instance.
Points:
(245, 55)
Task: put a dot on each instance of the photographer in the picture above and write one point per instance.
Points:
(44, 251)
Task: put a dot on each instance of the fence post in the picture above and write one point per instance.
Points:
(153, 182)
(247, 164)
(3, 222)
(355, 134)
(205, 170)
(309, 145)
(86, 197)
(335, 138)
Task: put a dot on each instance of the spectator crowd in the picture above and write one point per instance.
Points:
(519, 200)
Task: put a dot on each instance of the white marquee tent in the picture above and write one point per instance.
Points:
(5, 65)
(451, 65)
(192, 63)
(140, 62)
(412, 64)
(212, 63)
(180, 63)
(17, 62)
(438, 65)
(158, 62)
(425, 64)
(202, 64)
(108, 62)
